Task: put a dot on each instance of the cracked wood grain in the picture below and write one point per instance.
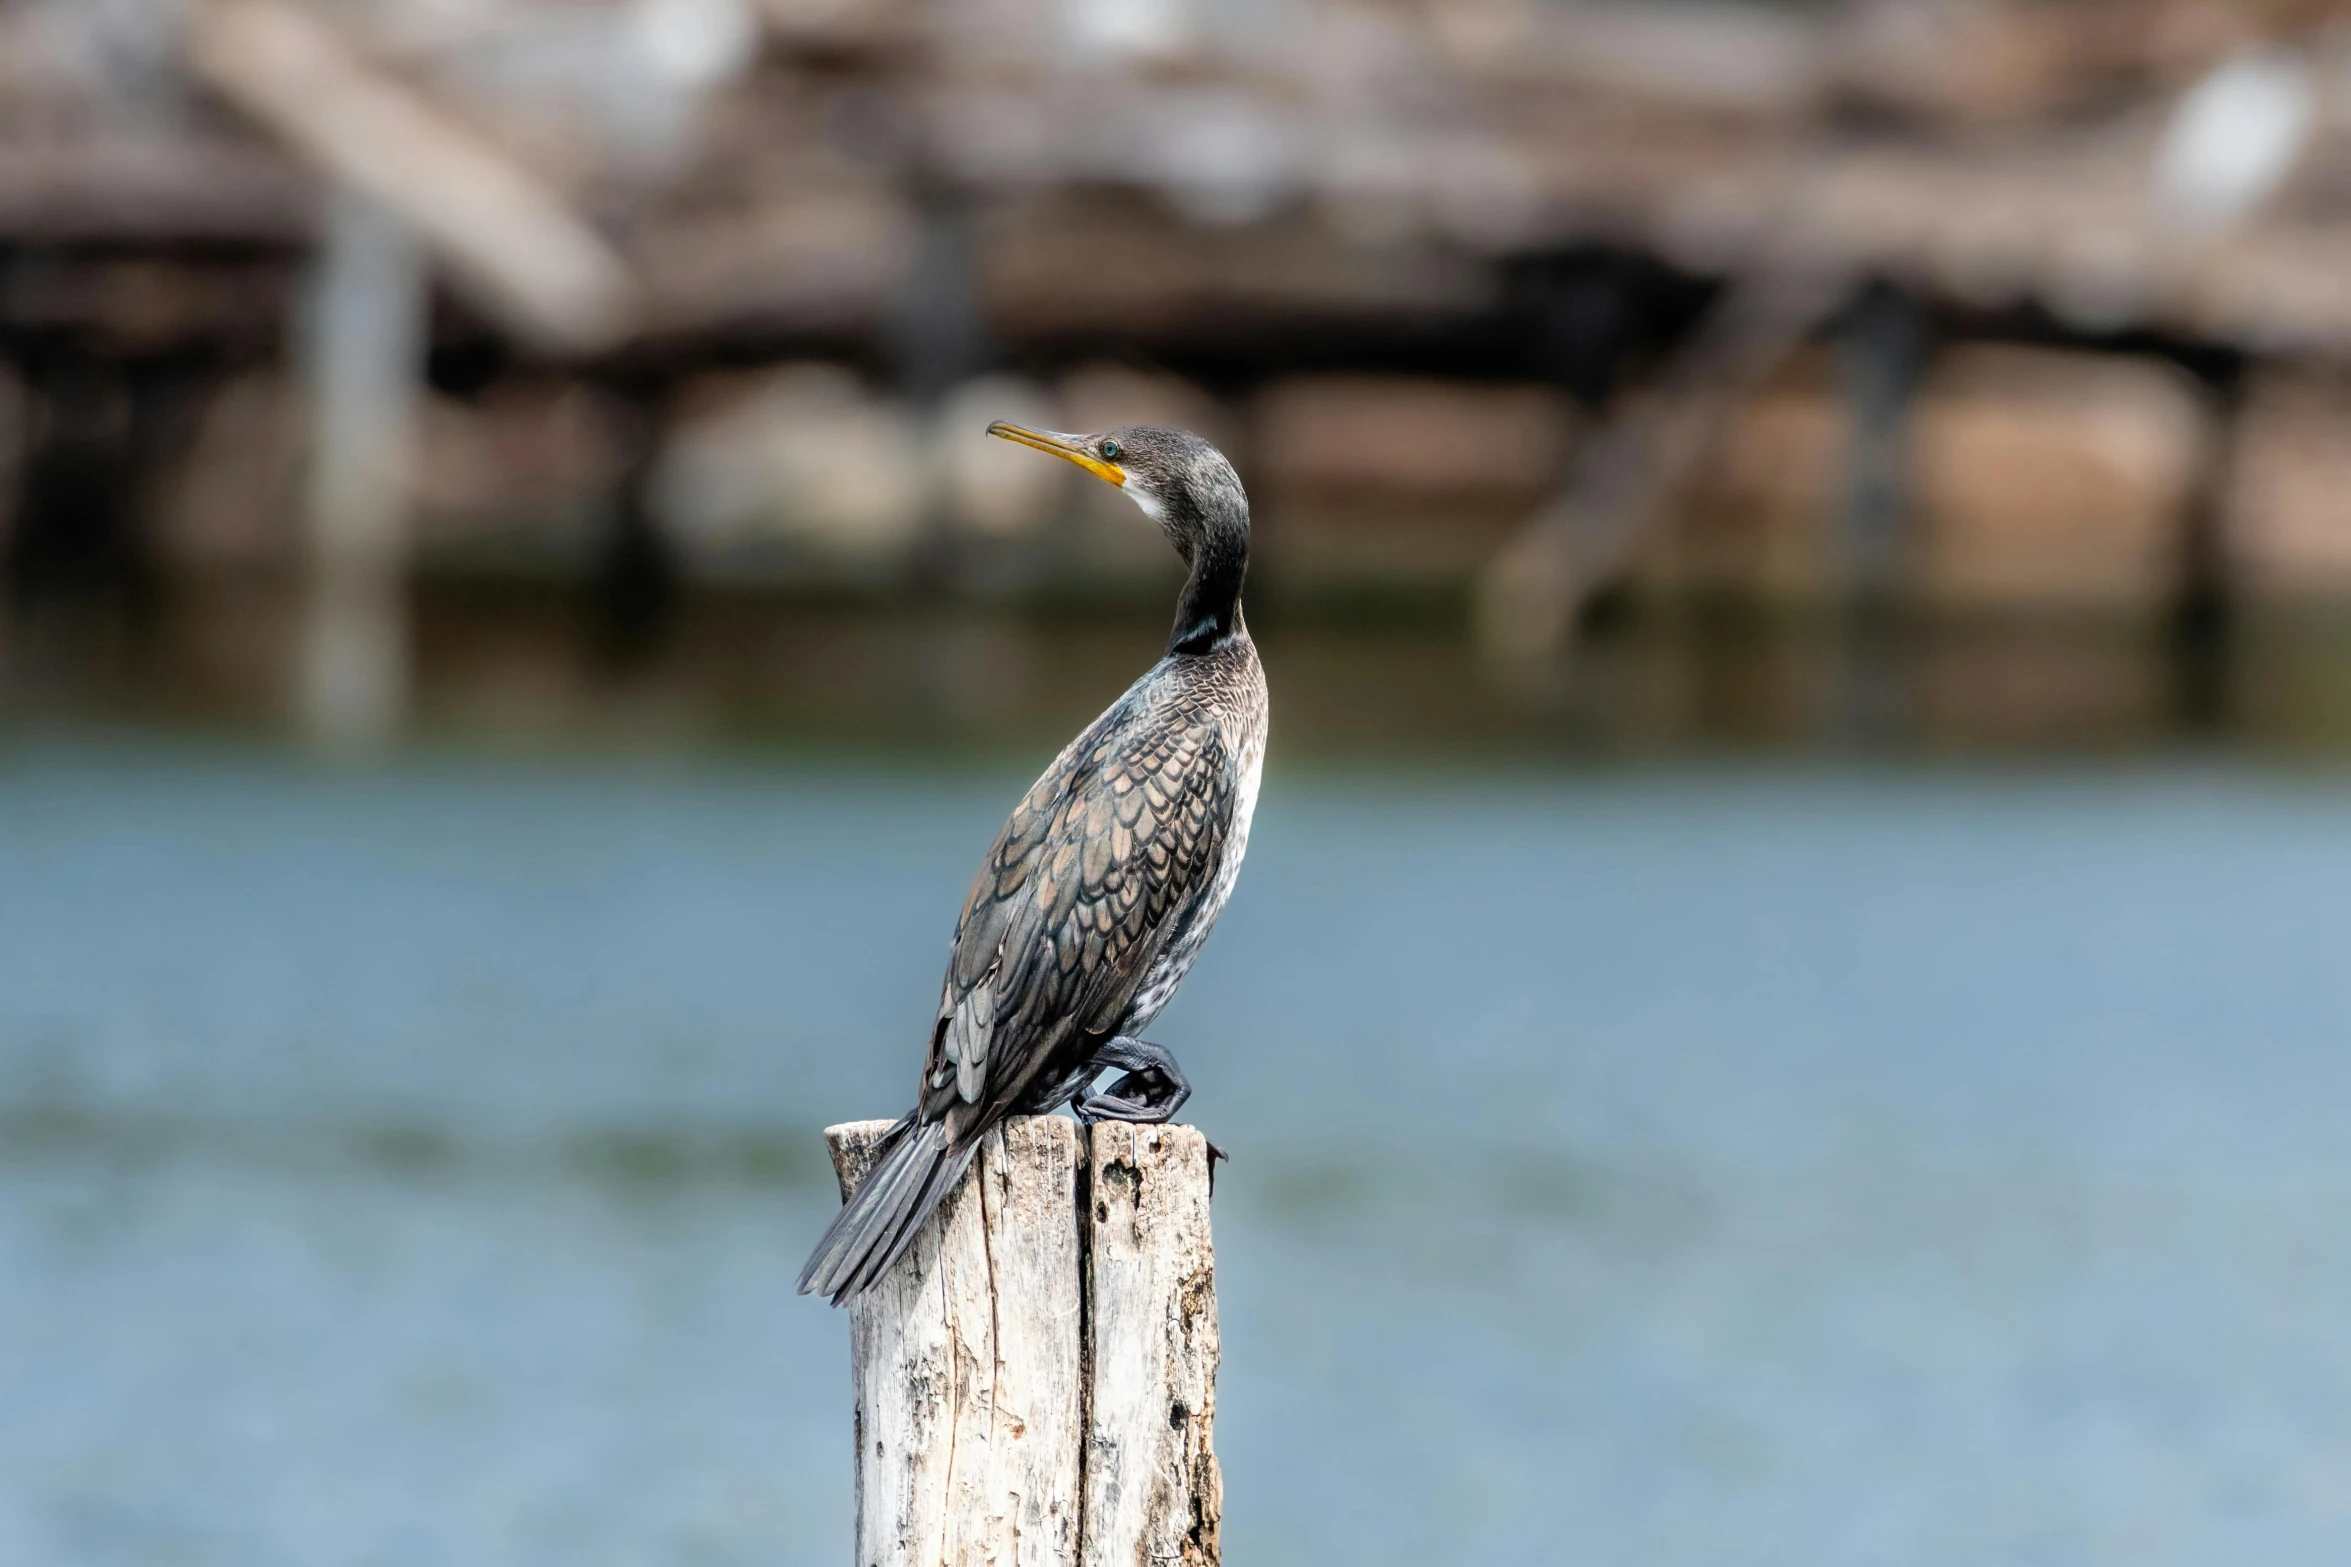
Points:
(1036, 1377)
(1153, 1492)
(967, 1359)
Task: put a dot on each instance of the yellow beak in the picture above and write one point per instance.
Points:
(1070, 448)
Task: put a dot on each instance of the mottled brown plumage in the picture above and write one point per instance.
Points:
(1102, 886)
(1099, 870)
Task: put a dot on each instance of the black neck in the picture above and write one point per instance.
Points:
(1214, 540)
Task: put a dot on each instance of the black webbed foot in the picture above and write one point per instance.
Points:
(1150, 1088)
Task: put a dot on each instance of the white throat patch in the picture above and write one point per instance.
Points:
(1146, 500)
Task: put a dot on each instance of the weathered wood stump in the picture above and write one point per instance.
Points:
(1036, 1377)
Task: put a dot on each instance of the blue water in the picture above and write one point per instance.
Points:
(410, 1165)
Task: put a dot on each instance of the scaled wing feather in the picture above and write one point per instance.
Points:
(971, 1029)
(1096, 872)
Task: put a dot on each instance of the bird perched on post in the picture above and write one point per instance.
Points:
(1100, 890)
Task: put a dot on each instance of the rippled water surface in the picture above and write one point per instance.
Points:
(410, 1165)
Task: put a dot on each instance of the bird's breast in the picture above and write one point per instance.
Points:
(1245, 735)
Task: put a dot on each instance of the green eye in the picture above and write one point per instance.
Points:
(1110, 450)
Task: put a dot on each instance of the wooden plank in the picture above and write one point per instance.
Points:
(118, 187)
(505, 234)
(968, 1361)
(1153, 1493)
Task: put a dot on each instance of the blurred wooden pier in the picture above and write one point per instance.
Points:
(1544, 300)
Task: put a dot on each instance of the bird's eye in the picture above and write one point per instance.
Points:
(1110, 450)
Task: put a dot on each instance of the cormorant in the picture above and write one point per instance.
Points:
(1098, 893)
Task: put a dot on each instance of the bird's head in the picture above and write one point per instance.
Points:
(1179, 480)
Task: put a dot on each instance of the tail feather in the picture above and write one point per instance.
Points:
(916, 1171)
(921, 1199)
(870, 1212)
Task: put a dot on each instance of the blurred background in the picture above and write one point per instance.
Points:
(1785, 1006)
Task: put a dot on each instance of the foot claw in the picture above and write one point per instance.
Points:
(1150, 1087)
(1132, 1098)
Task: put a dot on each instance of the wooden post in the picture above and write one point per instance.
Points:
(366, 349)
(1153, 1493)
(1036, 1377)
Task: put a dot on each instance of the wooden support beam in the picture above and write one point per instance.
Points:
(1531, 594)
(506, 236)
(364, 341)
(1884, 352)
(153, 189)
(1036, 1378)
